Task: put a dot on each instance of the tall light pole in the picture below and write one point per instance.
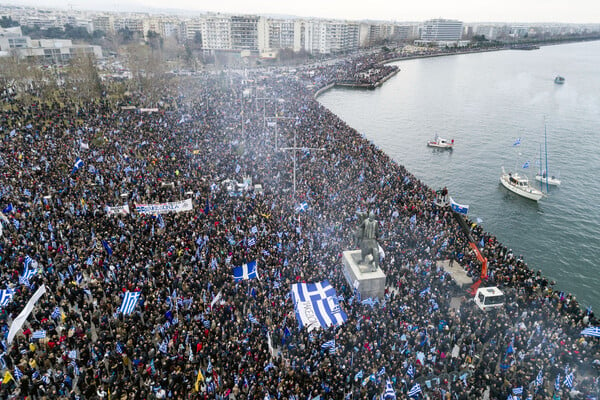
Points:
(277, 132)
(295, 148)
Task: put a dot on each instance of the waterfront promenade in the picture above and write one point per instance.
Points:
(197, 333)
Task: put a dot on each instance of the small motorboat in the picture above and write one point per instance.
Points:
(520, 185)
(551, 180)
(441, 143)
(559, 79)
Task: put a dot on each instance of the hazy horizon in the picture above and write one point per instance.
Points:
(510, 11)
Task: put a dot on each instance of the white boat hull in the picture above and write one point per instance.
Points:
(551, 180)
(439, 146)
(528, 192)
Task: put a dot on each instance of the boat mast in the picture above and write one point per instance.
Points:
(546, 147)
(541, 174)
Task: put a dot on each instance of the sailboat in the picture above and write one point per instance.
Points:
(543, 175)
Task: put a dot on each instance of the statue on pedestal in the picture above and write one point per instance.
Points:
(367, 235)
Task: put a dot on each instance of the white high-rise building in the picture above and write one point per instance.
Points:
(442, 30)
(216, 32)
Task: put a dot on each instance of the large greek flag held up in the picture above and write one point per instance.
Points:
(317, 305)
(129, 302)
(458, 208)
(176, 206)
(246, 271)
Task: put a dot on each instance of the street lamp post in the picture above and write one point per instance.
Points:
(295, 148)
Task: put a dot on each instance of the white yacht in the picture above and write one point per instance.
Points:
(520, 185)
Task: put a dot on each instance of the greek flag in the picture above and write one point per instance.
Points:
(557, 382)
(163, 347)
(78, 164)
(246, 271)
(381, 371)
(416, 389)
(55, 313)
(526, 165)
(518, 390)
(317, 305)
(411, 371)
(569, 381)
(423, 292)
(517, 142)
(389, 390)
(41, 334)
(330, 344)
(591, 331)
(368, 302)
(18, 373)
(358, 375)
(302, 207)
(6, 296)
(540, 378)
(254, 230)
(458, 208)
(129, 302)
(161, 221)
(251, 242)
(75, 367)
(119, 348)
(29, 262)
(253, 319)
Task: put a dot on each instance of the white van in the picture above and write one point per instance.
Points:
(489, 297)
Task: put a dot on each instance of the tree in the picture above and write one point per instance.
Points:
(7, 22)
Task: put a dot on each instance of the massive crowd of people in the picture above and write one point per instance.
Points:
(195, 332)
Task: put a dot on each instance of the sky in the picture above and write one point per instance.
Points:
(566, 11)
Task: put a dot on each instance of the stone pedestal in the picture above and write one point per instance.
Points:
(370, 283)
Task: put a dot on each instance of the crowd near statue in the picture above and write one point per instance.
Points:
(367, 235)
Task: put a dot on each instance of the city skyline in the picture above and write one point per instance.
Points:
(510, 11)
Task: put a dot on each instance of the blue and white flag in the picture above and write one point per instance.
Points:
(358, 375)
(253, 319)
(591, 331)
(6, 296)
(161, 221)
(389, 391)
(411, 371)
(423, 292)
(107, 247)
(518, 390)
(78, 164)
(368, 302)
(130, 300)
(568, 382)
(41, 334)
(302, 207)
(557, 382)
(416, 389)
(517, 142)
(526, 164)
(317, 305)
(251, 242)
(540, 378)
(246, 271)
(18, 373)
(458, 208)
(330, 344)
(381, 371)
(55, 313)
